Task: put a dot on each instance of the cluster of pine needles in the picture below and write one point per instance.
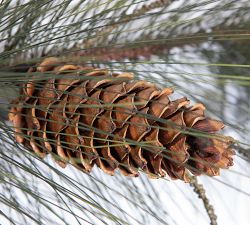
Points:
(200, 49)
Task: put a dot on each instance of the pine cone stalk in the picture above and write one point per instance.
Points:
(87, 116)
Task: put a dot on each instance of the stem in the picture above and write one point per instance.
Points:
(200, 191)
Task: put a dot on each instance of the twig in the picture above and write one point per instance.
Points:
(200, 191)
(103, 33)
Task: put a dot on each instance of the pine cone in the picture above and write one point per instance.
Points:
(89, 116)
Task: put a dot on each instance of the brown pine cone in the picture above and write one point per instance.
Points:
(89, 116)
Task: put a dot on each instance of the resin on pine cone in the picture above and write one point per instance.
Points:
(86, 116)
